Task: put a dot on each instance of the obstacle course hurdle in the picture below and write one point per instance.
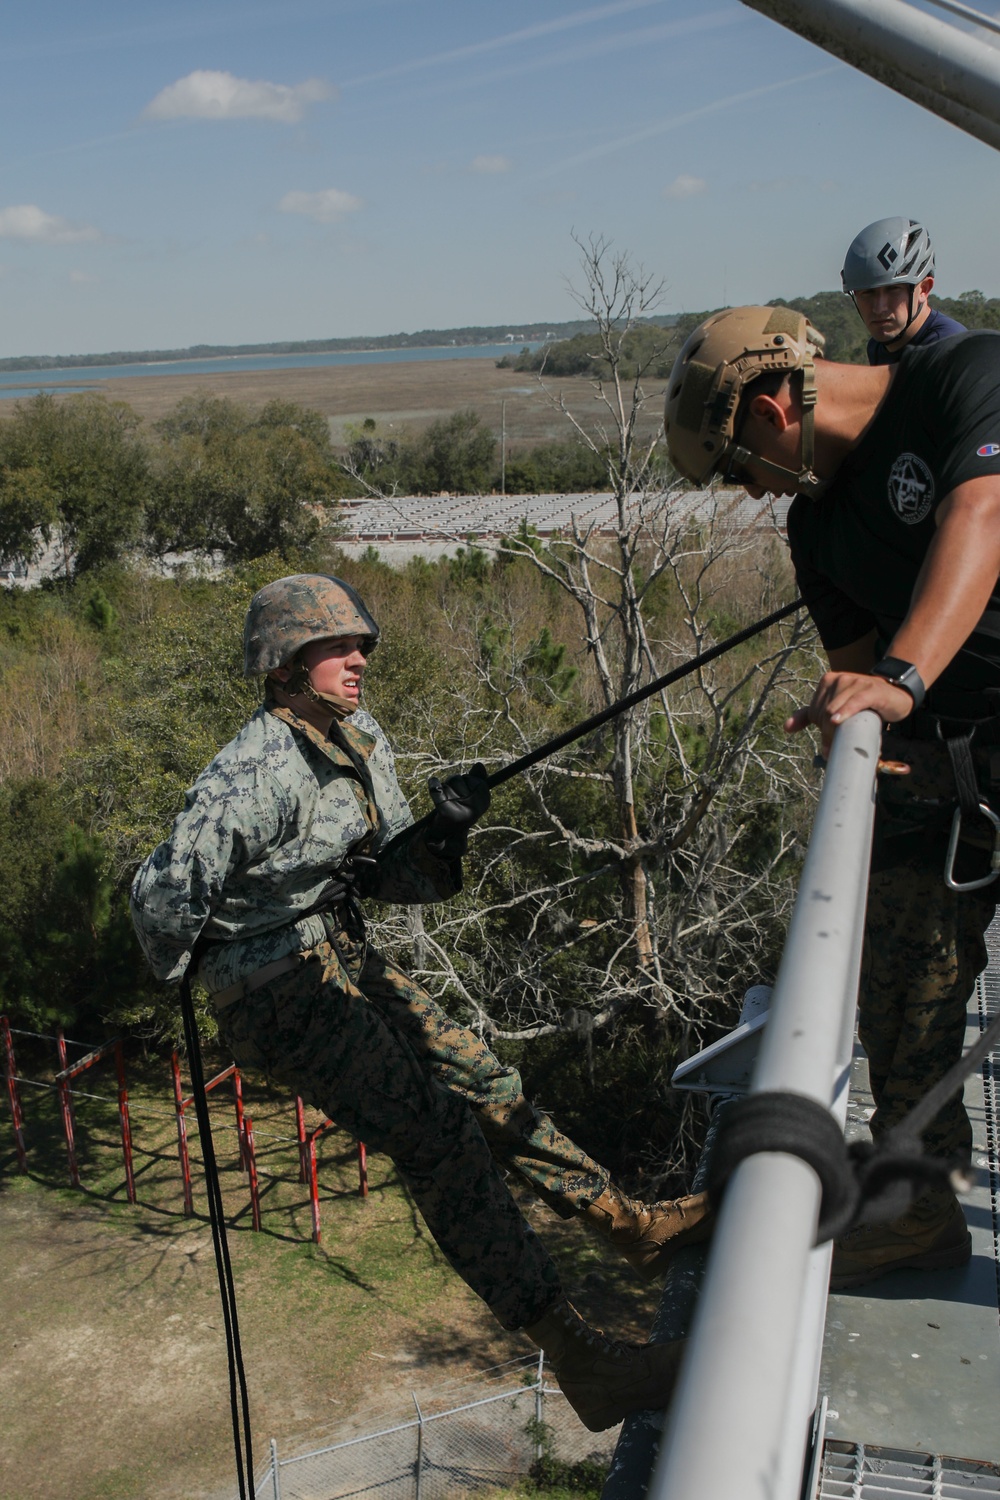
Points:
(244, 1135)
(307, 1162)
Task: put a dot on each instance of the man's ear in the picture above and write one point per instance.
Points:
(770, 410)
(280, 674)
(924, 289)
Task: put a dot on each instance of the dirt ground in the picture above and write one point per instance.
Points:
(113, 1380)
(408, 394)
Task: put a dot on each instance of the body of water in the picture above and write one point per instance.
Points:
(15, 383)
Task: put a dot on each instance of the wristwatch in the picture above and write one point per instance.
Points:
(901, 674)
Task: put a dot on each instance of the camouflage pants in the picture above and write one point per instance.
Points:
(923, 945)
(363, 1042)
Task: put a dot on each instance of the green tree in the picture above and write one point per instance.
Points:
(66, 939)
(75, 469)
(456, 453)
(241, 483)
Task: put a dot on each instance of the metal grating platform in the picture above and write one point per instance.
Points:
(911, 1363)
(854, 1472)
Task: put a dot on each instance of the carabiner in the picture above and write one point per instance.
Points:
(949, 862)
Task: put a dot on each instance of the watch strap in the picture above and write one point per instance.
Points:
(901, 674)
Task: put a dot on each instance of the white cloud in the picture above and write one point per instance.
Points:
(325, 206)
(26, 221)
(491, 164)
(210, 95)
(685, 187)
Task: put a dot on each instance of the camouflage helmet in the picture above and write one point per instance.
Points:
(287, 614)
(890, 252)
(719, 359)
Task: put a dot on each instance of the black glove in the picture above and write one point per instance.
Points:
(344, 881)
(458, 802)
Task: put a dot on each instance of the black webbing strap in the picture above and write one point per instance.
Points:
(238, 1397)
(964, 771)
(793, 1125)
(861, 1182)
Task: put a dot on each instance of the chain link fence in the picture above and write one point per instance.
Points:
(511, 1425)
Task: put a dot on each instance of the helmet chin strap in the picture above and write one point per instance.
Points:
(300, 682)
(805, 480)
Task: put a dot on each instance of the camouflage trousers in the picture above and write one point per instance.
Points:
(360, 1040)
(923, 944)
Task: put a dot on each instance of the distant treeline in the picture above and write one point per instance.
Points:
(424, 338)
(653, 349)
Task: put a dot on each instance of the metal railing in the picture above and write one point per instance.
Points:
(932, 62)
(748, 1385)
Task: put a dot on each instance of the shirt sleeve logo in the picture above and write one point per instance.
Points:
(988, 450)
(911, 488)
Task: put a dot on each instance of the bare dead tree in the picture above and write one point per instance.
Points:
(640, 879)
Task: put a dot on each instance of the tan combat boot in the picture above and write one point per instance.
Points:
(931, 1236)
(649, 1234)
(601, 1379)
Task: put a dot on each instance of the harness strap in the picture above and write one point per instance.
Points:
(959, 748)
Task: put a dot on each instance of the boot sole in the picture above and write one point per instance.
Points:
(944, 1259)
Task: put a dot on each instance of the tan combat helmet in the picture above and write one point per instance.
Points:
(722, 356)
(287, 614)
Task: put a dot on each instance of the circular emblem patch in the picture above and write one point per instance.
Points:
(911, 488)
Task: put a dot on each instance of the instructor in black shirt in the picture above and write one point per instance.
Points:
(895, 537)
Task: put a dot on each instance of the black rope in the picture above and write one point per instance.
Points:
(560, 741)
(525, 762)
(238, 1397)
(861, 1182)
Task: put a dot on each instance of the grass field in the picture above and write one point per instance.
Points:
(113, 1383)
(406, 394)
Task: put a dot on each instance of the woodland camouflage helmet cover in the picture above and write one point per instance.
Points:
(719, 359)
(287, 614)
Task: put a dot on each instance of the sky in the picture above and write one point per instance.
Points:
(244, 171)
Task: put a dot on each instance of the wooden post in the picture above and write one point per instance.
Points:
(182, 1142)
(125, 1122)
(13, 1098)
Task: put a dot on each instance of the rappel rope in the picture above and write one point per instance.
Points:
(525, 762)
(239, 1399)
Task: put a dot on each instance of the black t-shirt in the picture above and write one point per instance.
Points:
(858, 549)
(936, 326)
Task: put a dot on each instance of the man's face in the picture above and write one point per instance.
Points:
(885, 310)
(336, 666)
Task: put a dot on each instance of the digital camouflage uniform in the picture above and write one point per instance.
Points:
(923, 942)
(262, 830)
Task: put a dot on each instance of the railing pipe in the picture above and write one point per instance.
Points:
(932, 62)
(737, 1411)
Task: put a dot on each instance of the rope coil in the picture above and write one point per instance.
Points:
(862, 1182)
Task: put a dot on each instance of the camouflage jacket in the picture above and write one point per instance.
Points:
(262, 831)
